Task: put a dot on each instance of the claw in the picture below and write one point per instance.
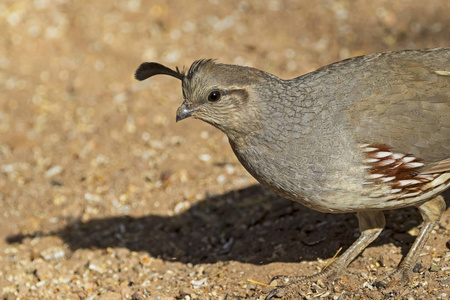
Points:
(379, 284)
(273, 293)
(398, 276)
(291, 284)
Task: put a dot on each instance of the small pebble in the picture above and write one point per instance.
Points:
(181, 207)
(53, 171)
(204, 157)
(53, 253)
(435, 268)
(198, 283)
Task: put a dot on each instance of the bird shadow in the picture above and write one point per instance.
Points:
(249, 225)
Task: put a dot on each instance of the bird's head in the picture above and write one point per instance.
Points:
(219, 94)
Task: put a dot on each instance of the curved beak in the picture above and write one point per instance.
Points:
(184, 111)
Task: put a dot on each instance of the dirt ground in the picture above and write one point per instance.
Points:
(104, 196)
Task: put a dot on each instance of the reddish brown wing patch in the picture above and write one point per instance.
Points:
(399, 170)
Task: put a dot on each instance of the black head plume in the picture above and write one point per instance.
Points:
(149, 69)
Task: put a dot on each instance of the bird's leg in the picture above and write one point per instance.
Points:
(431, 212)
(371, 223)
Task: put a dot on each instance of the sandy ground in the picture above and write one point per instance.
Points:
(104, 196)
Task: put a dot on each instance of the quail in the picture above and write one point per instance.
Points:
(363, 135)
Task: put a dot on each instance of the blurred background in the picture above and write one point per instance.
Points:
(102, 193)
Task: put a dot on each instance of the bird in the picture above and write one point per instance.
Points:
(365, 134)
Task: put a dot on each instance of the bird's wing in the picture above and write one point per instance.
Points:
(406, 106)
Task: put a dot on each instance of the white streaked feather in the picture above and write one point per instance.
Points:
(386, 162)
(387, 179)
(371, 160)
(442, 73)
(408, 159)
(383, 154)
(369, 149)
(414, 165)
(425, 176)
(375, 176)
(397, 155)
(412, 194)
(407, 182)
(439, 180)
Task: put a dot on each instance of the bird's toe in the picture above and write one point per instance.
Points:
(285, 292)
(399, 276)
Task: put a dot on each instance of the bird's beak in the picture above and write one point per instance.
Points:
(184, 111)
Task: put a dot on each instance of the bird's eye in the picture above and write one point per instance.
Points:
(214, 96)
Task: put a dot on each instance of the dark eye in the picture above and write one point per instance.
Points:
(214, 96)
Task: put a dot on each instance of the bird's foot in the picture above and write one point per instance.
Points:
(290, 291)
(290, 287)
(398, 277)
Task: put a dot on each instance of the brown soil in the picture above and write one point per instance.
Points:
(104, 196)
